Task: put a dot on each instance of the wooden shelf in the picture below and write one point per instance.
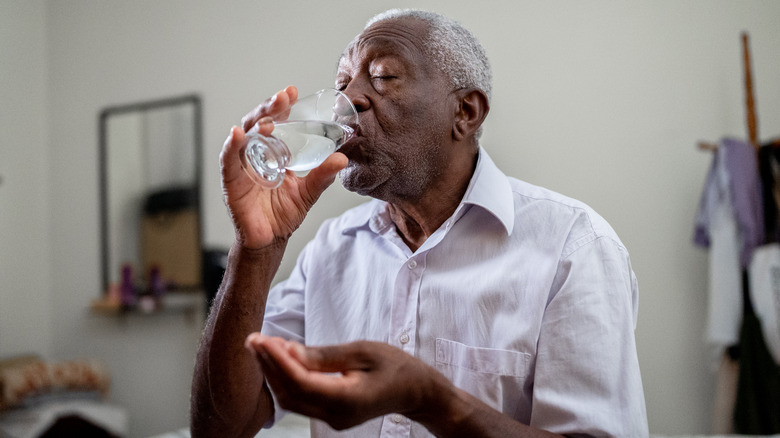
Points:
(186, 302)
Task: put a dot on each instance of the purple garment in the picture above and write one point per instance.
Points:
(735, 169)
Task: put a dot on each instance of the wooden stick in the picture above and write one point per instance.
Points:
(752, 124)
(707, 146)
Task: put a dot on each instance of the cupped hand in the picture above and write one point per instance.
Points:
(261, 216)
(348, 384)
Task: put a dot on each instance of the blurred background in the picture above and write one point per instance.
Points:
(602, 101)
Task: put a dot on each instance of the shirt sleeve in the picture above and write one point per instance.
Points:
(586, 376)
(284, 317)
(284, 309)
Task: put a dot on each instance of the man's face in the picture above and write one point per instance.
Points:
(405, 110)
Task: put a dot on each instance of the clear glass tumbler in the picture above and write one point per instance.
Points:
(317, 126)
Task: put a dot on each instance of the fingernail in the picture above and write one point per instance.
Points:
(296, 349)
(252, 338)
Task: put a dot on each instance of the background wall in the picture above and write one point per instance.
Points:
(603, 101)
(25, 285)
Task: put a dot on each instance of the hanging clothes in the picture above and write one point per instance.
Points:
(757, 399)
(757, 405)
(729, 222)
(765, 295)
(765, 265)
(738, 212)
(744, 186)
(769, 166)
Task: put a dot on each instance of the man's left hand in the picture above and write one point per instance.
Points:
(348, 384)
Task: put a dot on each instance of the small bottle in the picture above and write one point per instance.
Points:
(127, 289)
(156, 286)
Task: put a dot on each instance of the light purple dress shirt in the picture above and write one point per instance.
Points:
(524, 298)
(734, 169)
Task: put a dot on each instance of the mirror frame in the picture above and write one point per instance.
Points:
(144, 106)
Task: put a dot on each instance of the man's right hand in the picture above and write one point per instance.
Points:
(262, 216)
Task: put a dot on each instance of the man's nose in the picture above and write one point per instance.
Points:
(357, 96)
(361, 102)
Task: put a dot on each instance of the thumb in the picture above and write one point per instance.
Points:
(321, 177)
(229, 156)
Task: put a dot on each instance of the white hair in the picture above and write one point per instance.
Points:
(452, 48)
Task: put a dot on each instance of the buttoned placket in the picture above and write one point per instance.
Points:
(402, 331)
(403, 315)
(406, 297)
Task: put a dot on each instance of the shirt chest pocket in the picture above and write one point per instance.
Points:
(497, 377)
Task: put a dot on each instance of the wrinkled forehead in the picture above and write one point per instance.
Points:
(404, 37)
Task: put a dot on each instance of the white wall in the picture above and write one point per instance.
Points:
(25, 286)
(603, 101)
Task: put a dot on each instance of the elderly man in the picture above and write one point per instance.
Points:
(458, 302)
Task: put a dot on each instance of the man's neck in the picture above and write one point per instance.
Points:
(417, 220)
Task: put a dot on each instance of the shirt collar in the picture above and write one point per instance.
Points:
(488, 189)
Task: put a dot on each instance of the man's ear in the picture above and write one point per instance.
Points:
(473, 107)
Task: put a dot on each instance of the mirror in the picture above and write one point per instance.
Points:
(150, 155)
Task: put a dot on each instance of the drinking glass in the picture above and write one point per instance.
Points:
(317, 126)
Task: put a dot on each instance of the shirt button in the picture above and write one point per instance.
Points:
(397, 418)
(412, 264)
(404, 338)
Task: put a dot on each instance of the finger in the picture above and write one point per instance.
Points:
(279, 351)
(276, 107)
(275, 375)
(274, 349)
(332, 165)
(289, 359)
(228, 158)
(292, 92)
(338, 358)
(288, 392)
(282, 110)
(287, 356)
(321, 177)
(297, 389)
(261, 111)
(292, 95)
(264, 126)
(254, 341)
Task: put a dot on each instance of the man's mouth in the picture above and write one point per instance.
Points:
(352, 140)
(355, 130)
